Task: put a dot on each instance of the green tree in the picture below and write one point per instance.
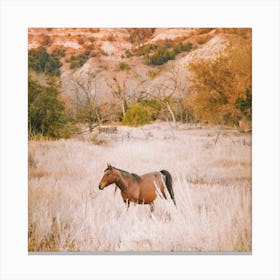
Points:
(46, 114)
(244, 104)
(42, 62)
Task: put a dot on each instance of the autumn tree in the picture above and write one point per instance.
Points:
(219, 85)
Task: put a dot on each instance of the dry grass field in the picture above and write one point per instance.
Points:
(212, 186)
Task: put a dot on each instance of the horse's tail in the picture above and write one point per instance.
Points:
(168, 183)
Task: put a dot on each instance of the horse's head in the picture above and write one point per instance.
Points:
(111, 175)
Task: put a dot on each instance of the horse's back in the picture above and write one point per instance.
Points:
(151, 175)
(148, 184)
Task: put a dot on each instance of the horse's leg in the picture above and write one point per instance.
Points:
(152, 207)
(128, 204)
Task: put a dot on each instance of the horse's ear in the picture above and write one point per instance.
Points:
(109, 166)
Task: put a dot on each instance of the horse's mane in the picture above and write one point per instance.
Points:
(137, 177)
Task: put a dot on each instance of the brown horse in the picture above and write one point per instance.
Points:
(138, 189)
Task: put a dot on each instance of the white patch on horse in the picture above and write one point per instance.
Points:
(163, 180)
(158, 190)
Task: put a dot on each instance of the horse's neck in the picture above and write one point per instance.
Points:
(123, 183)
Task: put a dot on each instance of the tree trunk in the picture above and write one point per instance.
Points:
(171, 113)
(124, 107)
(90, 127)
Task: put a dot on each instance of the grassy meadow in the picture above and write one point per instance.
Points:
(211, 172)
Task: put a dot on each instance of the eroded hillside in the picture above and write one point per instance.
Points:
(116, 68)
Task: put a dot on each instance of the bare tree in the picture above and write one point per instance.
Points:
(85, 103)
(177, 86)
(164, 96)
(119, 91)
(127, 91)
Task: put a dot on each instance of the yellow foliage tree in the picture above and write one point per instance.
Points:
(217, 84)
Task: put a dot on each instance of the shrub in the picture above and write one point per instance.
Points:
(140, 35)
(111, 38)
(161, 56)
(123, 66)
(152, 74)
(167, 52)
(32, 163)
(46, 114)
(162, 52)
(245, 105)
(42, 62)
(186, 47)
(81, 40)
(58, 53)
(45, 40)
(137, 115)
(77, 61)
(100, 138)
(203, 39)
(128, 53)
(153, 106)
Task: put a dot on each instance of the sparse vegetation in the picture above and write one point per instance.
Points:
(45, 40)
(123, 66)
(41, 61)
(160, 53)
(140, 35)
(77, 61)
(212, 185)
(161, 56)
(99, 138)
(59, 53)
(167, 52)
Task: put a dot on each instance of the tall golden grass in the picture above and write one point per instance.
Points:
(212, 185)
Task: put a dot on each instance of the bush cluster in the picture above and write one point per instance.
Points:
(46, 114)
(77, 61)
(140, 35)
(162, 52)
(137, 115)
(142, 113)
(245, 104)
(42, 62)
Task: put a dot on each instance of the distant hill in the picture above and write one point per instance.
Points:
(137, 60)
(103, 49)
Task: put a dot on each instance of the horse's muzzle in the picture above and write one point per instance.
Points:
(100, 187)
